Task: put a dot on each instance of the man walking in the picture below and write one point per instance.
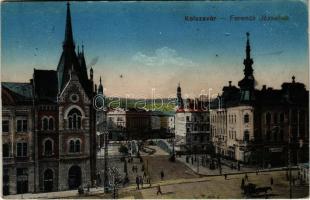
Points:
(141, 181)
(159, 190)
(137, 182)
(162, 174)
(246, 178)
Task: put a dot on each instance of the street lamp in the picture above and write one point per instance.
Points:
(106, 179)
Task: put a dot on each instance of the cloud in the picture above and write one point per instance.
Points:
(163, 56)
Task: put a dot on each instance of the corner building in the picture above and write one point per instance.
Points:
(56, 137)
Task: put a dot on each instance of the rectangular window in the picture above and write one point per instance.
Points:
(187, 118)
(22, 125)
(6, 150)
(5, 126)
(22, 148)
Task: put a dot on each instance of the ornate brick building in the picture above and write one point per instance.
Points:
(54, 119)
(260, 126)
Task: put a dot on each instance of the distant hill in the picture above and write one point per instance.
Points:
(165, 104)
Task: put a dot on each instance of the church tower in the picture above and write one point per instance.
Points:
(247, 84)
(77, 139)
(180, 104)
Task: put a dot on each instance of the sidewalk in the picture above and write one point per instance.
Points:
(54, 195)
(205, 171)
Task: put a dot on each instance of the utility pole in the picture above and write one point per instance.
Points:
(290, 169)
(289, 154)
(106, 179)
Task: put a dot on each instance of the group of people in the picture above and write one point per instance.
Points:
(141, 180)
(135, 168)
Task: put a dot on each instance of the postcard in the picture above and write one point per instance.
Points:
(155, 99)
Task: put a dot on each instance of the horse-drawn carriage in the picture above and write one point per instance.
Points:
(250, 189)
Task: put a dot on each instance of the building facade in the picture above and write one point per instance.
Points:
(52, 127)
(262, 126)
(17, 138)
(192, 124)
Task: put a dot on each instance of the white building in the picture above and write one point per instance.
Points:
(232, 128)
(192, 125)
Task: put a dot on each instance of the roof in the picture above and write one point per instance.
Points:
(22, 89)
(20, 93)
(45, 84)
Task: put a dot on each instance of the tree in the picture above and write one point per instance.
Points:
(123, 149)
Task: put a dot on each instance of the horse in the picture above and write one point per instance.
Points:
(262, 189)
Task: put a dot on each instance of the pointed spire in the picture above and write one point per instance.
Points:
(82, 48)
(100, 87)
(68, 42)
(248, 61)
(91, 73)
(248, 47)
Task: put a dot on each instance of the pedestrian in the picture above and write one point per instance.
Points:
(149, 179)
(137, 182)
(88, 187)
(271, 181)
(159, 190)
(144, 174)
(287, 177)
(225, 176)
(242, 183)
(246, 178)
(162, 174)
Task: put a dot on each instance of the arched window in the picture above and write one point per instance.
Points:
(268, 118)
(71, 148)
(74, 117)
(48, 147)
(51, 123)
(45, 124)
(77, 146)
(246, 118)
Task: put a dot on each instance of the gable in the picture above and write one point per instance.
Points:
(73, 92)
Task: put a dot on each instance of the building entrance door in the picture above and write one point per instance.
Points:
(75, 177)
(48, 180)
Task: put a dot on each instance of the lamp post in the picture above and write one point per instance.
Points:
(106, 179)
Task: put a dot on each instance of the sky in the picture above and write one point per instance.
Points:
(144, 49)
